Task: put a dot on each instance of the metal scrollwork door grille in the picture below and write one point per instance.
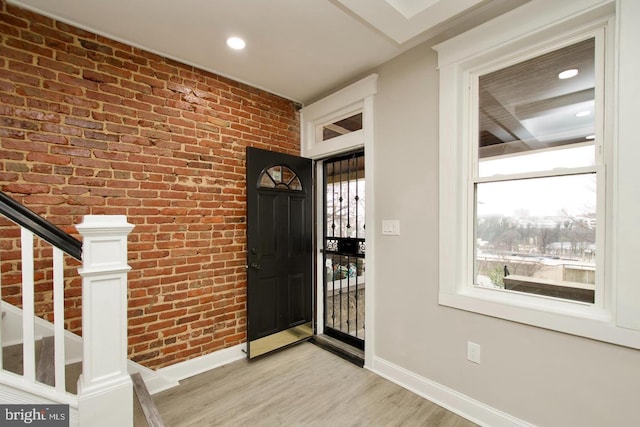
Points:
(344, 247)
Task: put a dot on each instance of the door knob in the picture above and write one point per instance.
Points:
(255, 266)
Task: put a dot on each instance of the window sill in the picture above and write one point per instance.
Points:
(571, 317)
(551, 288)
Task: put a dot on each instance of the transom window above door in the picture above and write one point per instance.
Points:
(340, 127)
(339, 123)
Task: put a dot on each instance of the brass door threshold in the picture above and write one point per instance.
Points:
(279, 340)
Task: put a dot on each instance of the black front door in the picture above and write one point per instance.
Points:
(280, 250)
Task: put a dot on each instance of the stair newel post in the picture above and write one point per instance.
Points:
(104, 389)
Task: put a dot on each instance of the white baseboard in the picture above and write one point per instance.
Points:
(201, 364)
(452, 400)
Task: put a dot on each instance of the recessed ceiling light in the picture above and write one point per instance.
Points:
(236, 43)
(567, 74)
(590, 137)
(583, 113)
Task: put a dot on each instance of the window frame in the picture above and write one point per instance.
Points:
(348, 114)
(598, 308)
(526, 32)
(349, 101)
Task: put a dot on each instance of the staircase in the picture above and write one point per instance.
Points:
(41, 362)
(145, 413)
(45, 367)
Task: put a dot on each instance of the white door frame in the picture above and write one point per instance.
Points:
(358, 97)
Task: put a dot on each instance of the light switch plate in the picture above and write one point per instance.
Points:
(390, 227)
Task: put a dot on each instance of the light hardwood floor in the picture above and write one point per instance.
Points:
(299, 386)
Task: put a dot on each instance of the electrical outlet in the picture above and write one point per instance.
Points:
(473, 352)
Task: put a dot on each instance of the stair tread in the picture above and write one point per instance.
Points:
(12, 362)
(147, 404)
(72, 373)
(12, 359)
(45, 371)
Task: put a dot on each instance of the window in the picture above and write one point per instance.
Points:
(280, 177)
(340, 122)
(535, 175)
(340, 127)
(528, 172)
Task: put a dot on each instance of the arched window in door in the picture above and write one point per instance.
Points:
(279, 177)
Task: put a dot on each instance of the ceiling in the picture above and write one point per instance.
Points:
(299, 49)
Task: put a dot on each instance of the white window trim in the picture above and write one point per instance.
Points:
(598, 310)
(351, 100)
(521, 30)
(358, 97)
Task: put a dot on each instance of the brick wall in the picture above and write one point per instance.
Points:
(92, 126)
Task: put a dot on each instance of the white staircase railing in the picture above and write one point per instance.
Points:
(28, 304)
(27, 386)
(104, 388)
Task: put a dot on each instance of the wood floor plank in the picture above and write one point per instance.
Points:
(300, 386)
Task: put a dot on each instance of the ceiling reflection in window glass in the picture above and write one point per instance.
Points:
(342, 127)
(527, 109)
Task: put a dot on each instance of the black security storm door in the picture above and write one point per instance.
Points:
(344, 248)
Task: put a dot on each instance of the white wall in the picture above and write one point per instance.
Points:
(539, 376)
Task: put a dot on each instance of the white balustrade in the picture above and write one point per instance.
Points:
(58, 316)
(105, 394)
(28, 310)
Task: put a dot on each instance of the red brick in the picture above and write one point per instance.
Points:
(108, 128)
(88, 124)
(20, 55)
(124, 93)
(62, 88)
(116, 71)
(77, 82)
(49, 32)
(62, 130)
(25, 188)
(29, 47)
(160, 325)
(73, 59)
(91, 45)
